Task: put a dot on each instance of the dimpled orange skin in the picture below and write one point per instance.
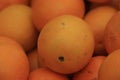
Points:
(66, 44)
(16, 23)
(97, 19)
(90, 72)
(110, 69)
(6, 3)
(112, 34)
(45, 74)
(45, 10)
(13, 60)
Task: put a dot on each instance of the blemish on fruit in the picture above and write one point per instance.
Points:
(61, 59)
(63, 23)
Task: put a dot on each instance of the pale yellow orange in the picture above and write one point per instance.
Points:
(65, 44)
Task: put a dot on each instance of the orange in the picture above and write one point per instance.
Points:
(97, 19)
(110, 69)
(13, 60)
(45, 10)
(112, 34)
(16, 23)
(45, 74)
(65, 44)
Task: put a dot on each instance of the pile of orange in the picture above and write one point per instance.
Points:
(59, 40)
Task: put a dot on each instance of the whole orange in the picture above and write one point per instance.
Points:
(13, 60)
(45, 10)
(16, 23)
(65, 44)
(97, 19)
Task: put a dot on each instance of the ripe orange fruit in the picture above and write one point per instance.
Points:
(45, 10)
(13, 60)
(16, 23)
(112, 34)
(65, 44)
(110, 69)
(6, 3)
(45, 74)
(90, 72)
(97, 19)
(33, 60)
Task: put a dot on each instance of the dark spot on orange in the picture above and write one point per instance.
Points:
(63, 23)
(61, 58)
